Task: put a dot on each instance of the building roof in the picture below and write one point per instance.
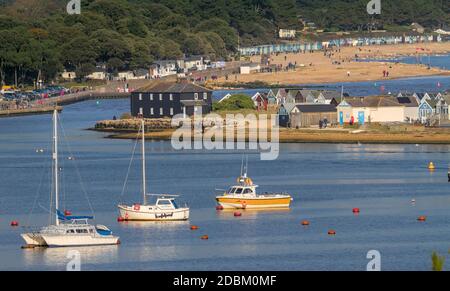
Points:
(408, 101)
(373, 101)
(311, 108)
(331, 94)
(173, 87)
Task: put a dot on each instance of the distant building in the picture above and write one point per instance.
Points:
(160, 69)
(250, 68)
(306, 115)
(68, 75)
(194, 63)
(98, 74)
(417, 28)
(287, 33)
(370, 109)
(411, 107)
(166, 99)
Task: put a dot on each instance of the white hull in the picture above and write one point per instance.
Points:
(33, 239)
(249, 206)
(129, 213)
(79, 240)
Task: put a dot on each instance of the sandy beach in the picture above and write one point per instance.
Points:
(341, 66)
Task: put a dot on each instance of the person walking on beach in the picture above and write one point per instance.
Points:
(348, 73)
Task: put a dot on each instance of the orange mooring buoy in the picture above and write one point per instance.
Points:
(305, 222)
(331, 232)
(237, 214)
(219, 207)
(204, 237)
(422, 218)
(14, 223)
(356, 210)
(194, 227)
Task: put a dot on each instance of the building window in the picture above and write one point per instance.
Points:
(196, 96)
(161, 111)
(205, 95)
(160, 97)
(151, 111)
(141, 111)
(171, 97)
(151, 97)
(140, 96)
(171, 111)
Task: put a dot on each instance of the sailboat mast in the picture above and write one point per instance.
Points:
(144, 186)
(55, 162)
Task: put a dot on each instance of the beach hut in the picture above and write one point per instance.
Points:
(307, 115)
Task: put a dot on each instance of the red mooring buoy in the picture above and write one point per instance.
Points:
(194, 227)
(422, 218)
(204, 237)
(120, 219)
(219, 207)
(237, 214)
(305, 222)
(356, 210)
(14, 223)
(331, 232)
(67, 213)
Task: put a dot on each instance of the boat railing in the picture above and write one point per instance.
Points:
(274, 193)
(162, 195)
(32, 229)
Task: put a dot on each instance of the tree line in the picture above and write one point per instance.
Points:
(38, 38)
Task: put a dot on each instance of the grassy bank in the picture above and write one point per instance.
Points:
(378, 136)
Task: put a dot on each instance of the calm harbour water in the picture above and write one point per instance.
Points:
(326, 181)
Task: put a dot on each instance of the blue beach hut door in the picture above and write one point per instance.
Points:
(341, 118)
(361, 117)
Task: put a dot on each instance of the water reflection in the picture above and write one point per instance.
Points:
(58, 257)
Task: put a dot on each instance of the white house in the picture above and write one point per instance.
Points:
(161, 69)
(370, 109)
(97, 75)
(68, 75)
(287, 33)
(194, 63)
(250, 68)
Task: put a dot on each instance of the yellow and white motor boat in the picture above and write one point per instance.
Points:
(244, 196)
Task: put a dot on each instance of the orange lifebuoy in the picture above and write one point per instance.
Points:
(137, 207)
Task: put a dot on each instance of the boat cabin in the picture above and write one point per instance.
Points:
(166, 203)
(241, 190)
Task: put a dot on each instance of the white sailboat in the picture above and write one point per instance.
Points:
(67, 230)
(165, 208)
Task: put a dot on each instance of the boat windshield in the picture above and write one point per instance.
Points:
(231, 190)
(174, 204)
(248, 191)
(238, 190)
